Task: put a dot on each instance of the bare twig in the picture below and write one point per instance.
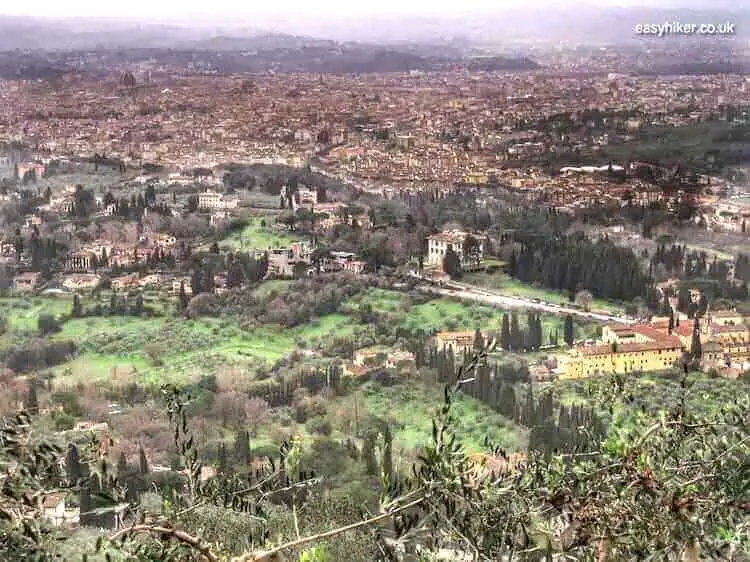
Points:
(662, 424)
(268, 555)
(193, 542)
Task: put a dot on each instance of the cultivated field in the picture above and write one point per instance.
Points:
(259, 234)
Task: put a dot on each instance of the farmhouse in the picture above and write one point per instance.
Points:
(26, 281)
(439, 244)
(458, 341)
(214, 200)
(624, 349)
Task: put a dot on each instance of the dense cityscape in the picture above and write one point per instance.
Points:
(283, 298)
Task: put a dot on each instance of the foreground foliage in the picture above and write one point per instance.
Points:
(671, 488)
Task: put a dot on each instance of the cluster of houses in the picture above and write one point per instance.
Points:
(648, 347)
(369, 359)
(724, 338)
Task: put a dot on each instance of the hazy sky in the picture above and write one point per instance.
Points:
(249, 10)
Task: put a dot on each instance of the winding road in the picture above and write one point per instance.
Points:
(473, 293)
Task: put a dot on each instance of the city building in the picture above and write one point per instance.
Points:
(213, 200)
(438, 245)
(458, 341)
(26, 281)
(623, 349)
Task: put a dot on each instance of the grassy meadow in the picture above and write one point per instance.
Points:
(171, 348)
(257, 236)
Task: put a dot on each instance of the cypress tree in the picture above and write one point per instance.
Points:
(84, 505)
(507, 404)
(388, 453)
(569, 330)
(368, 454)
(73, 464)
(221, 456)
(76, 311)
(516, 337)
(184, 300)
(539, 331)
(138, 308)
(242, 449)
(142, 461)
(122, 467)
(696, 348)
(478, 340)
(31, 402)
(505, 339)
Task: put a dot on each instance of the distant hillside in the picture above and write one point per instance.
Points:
(494, 64)
(300, 56)
(26, 33)
(262, 41)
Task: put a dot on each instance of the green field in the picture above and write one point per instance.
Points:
(22, 313)
(152, 350)
(186, 349)
(446, 314)
(656, 394)
(255, 236)
(409, 408)
(506, 285)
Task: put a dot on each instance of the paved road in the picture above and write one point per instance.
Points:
(485, 296)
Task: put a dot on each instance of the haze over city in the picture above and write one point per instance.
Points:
(386, 281)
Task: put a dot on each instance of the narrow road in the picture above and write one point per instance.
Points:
(465, 291)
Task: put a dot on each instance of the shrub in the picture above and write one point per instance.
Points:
(48, 324)
(69, 402)
(63, 421)
(319, 425)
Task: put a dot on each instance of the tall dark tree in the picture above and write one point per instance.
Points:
(478, 340)
(702, 305)
(184, 299)
(242, 449)
(138, 306)
(505, 339)
(368, 454)
(31, 401)
(18, 244)
(76, 311)
(222, 463)
(388, 453)
(122, 468)
(569, 330)
(452, 263)
(85, 504)
(73, 465)
(696, 348)
(683, 298)
(516, 335)
(196, 281)
(472, 250)
(539, 332)
(142, 462)
(235, 274)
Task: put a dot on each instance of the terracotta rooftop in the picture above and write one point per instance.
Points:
(667, 343)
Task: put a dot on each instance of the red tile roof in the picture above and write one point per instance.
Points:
(668, 343)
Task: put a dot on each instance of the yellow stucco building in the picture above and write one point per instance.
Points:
(625, 349)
